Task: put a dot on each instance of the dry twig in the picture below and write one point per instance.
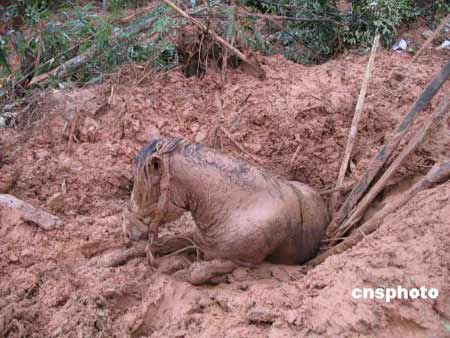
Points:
(294, 157)
(343, 188)
(137, 12)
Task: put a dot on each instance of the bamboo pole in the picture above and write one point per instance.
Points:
(356, 118)
(386, 151)
(438, 173)
(437, 117)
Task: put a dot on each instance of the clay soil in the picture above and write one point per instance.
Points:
(75, 161)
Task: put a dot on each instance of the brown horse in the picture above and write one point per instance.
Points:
(243, 215)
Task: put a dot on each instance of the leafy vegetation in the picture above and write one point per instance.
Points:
(310, 31)
(74, 29)
(439, 9)
(42, 34)
(371, 17)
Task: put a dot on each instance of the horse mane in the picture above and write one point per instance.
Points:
(161, 146)
(234, 170)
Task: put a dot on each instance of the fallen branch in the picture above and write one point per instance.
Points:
(261, 73)
(386, 151)
(356, 118)
(80, 60)
(291, 18)
(437, 174)
(436, 118)
(431, 38)
(30, 213)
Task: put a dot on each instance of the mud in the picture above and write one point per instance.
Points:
(76, 161)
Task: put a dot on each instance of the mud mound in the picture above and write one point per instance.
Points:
(280, 302)
(76, 162)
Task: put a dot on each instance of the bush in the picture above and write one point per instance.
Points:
(311, 32)
(371, 17)
(52, 40)
(433, 10)
(316, 29)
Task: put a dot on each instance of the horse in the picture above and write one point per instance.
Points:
(243, 215)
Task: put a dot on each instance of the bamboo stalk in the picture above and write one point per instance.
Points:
(356, 118)
(386, 151)
(81, 59)
(437, 117)
(438, 173)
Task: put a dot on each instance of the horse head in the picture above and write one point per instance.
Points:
(150, 203)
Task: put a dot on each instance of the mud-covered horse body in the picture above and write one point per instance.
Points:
(243, 215)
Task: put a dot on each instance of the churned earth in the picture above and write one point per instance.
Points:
(74, 159)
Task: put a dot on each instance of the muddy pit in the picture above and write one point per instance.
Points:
(76, 162)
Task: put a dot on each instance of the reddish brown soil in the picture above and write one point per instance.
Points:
(49, 288)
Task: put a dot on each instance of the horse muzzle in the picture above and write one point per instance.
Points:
(134, 228)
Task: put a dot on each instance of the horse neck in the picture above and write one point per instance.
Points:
(203, 182)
